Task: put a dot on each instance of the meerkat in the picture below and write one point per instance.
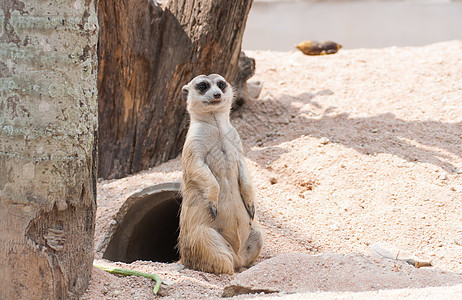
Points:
(218, 233)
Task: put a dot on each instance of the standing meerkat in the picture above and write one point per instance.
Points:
(218, 233)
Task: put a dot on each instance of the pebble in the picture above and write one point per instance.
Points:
(324, 141)
(273, 180)
(458, 240)
(167, 282)
(176, 267)
(443, 176)
(334, 227)
(456, 188)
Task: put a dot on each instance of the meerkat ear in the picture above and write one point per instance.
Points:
(185, 92)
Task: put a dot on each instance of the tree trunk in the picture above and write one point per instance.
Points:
(147, 52)
(48, 124)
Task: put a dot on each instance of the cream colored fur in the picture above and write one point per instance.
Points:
(218, 233)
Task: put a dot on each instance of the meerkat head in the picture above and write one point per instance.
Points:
(208, 94)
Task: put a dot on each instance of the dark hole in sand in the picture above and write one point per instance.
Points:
(147, 226)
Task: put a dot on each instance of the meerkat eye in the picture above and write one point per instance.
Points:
(221, 85)
(202, 86)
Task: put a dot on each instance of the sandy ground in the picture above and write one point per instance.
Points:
(345, 150)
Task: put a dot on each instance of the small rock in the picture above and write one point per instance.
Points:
(167, 282)
(456, 188)
(458, 170)
(443, 176)
(273, 180)
(382, 249)
(176, 267)
(324, 141)
(375, 130)
(254, 88)
(458, 240)
(334, 227)
(163, 291)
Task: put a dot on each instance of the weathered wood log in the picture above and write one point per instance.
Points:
(48, 127)
(147, 52)
(245, 70)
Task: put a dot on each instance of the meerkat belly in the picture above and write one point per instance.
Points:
(232, 220)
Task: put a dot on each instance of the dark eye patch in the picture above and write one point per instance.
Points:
(203, 86)
(222, 85)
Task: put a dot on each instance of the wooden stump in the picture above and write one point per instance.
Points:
(147, 52)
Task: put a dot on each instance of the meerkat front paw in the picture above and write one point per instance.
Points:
(250, 207)
(212, 209)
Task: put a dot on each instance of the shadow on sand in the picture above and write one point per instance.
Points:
(427, 141)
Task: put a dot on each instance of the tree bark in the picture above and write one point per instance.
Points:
(147, 52)
(48, 130)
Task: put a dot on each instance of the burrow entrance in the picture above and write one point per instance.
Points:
(146, 226)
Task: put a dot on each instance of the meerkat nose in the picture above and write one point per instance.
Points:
(217, 95)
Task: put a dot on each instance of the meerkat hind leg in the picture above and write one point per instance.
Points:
(252, 247)
(210, 252)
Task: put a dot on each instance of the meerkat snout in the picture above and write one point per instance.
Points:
(217, 95)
